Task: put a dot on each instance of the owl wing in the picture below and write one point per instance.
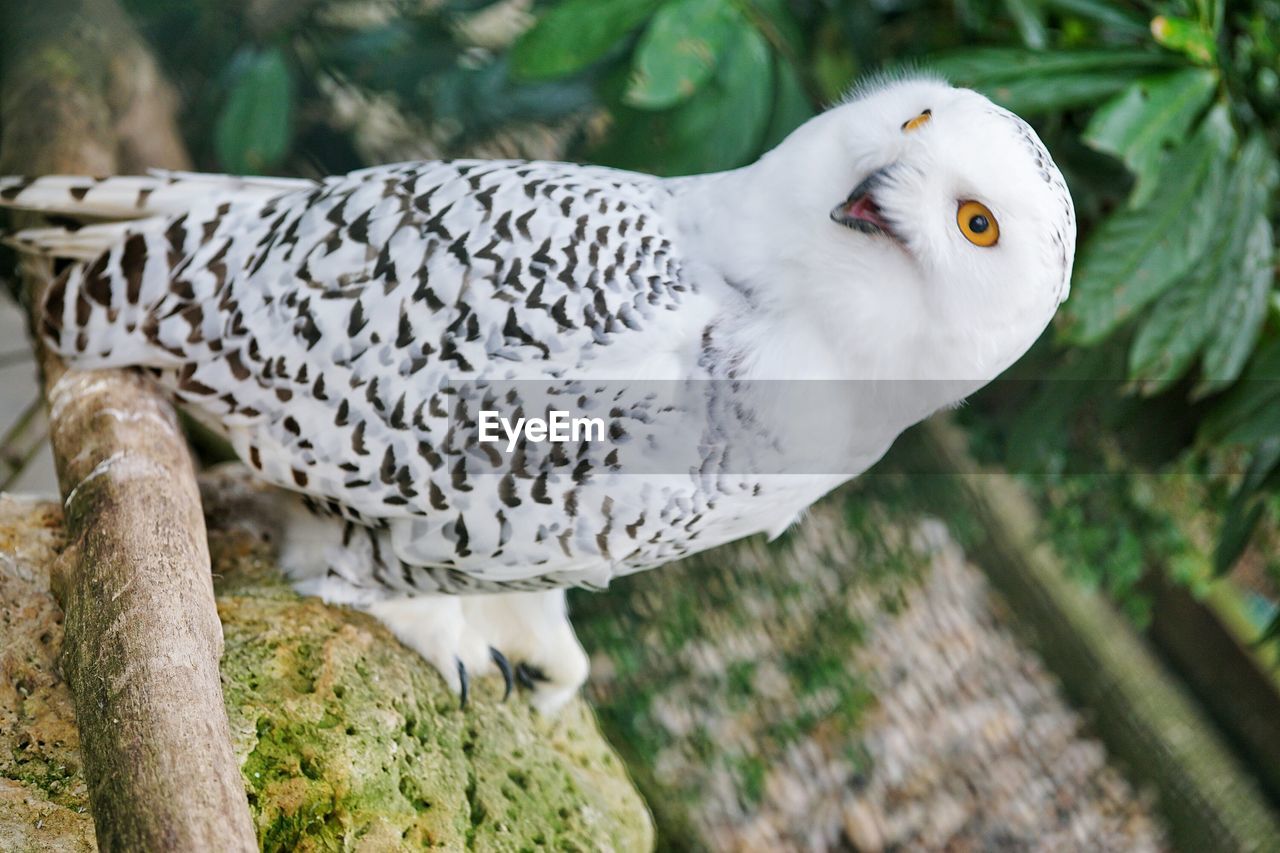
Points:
(321, 327)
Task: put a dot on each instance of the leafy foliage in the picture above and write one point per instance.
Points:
(1135, 255)
(702, 85)
(252, 133)
(261, 88)
(1031, 82)
(1149, 115)
(574, 34)
(695, 91)
(680, 50)
(1180, 267)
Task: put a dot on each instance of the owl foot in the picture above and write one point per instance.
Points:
(525, 675)
(471, 636)
(532, 629)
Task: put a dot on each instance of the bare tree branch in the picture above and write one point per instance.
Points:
(81, 95)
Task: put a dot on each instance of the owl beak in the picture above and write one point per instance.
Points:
(861, 212)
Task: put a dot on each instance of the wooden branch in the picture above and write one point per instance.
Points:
(143, 640)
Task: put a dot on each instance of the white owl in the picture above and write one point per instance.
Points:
(748, 339)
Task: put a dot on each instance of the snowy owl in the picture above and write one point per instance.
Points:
(362, 339)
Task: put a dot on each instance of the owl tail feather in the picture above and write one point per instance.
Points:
(159, 193)
(117, 233)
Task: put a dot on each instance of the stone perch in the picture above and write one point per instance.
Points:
(341, 734)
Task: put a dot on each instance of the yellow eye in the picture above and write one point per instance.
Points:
(917, 122)
(977, 224)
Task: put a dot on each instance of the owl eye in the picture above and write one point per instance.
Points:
(977, 223)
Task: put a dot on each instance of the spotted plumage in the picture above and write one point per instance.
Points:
(347, 333)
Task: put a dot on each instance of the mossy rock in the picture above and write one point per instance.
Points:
(347, 739)
(43, 799)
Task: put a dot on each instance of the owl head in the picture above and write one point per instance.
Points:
(924, 228)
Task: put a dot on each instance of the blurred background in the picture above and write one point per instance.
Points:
(902, 671)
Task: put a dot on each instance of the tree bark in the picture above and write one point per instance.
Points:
(81, 95)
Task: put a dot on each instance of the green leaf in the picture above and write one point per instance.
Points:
(480, 98)
(791, 106)
(832, 66)
(778, 22)
(1250, 410)
(720, 127)
(1135, 255)
(1185, 36)
(1148, 116)
(986, 64)
(1034, 96)
(724, 126)
(1240, 322)
(1171, 335)
(575, 33)
(679, 52)
(1237, 530)
(1033, 81)
(1188, 316)
(252, 131)
(1105, 12)
(1245, 508)
(1270, 633)
(1028, 17)
(1246, 273)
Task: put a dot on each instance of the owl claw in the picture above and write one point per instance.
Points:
(504, 666)
(463, 684)
(461, 638)
(528, 675)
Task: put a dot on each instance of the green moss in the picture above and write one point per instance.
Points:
(39, 744)
(738, 678)
(52, 65)
(346, 739)
(346, 734)
(751, 772)
(59, 783)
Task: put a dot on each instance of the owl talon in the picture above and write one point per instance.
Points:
(504, 666)
(529, 675)
(463, 682)
(461, 636)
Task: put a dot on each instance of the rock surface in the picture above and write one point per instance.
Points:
(43, 799)
(347, 740)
